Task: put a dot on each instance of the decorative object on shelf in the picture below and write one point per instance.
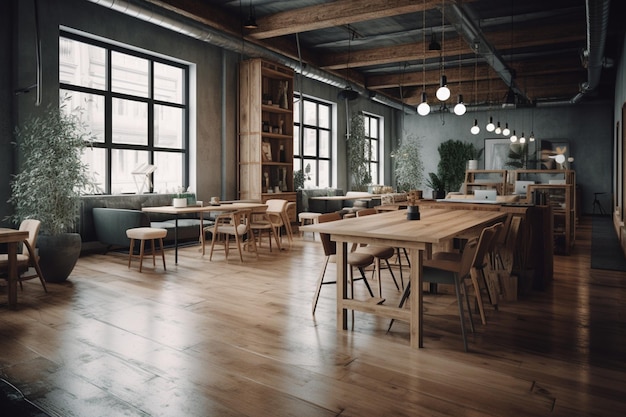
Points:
(281, 154)
(281, 122)
(266, 151)
(283, 94)
(266, 181)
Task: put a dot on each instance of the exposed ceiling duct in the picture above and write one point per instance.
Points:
(593, 56)
(188, 27)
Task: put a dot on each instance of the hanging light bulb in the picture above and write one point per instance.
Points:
(522, 138)
(513, 136)
(443, 92)
(532, 137)
(506, 131)
(423, 109)
(460, 108)
(498, 129)
(490, 126)
(475, 129)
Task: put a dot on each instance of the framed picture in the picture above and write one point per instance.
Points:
(549, 151)
(496, 153)
(266, 151)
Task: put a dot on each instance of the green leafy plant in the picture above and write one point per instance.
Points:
(409, 166)
(435, 182)
(359, 155)
(519, 156)
(298, 179)
(472, 152)
(52, 174)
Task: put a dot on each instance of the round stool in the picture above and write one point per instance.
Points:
(143, 234)
(307, 217)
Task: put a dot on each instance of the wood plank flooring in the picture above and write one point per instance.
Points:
(229, 339)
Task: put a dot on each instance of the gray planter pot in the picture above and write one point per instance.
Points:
(58, 255)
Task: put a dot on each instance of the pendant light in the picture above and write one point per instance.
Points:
(251, 21)
(498, 129)
(423, 109)
(459, 108)
(475, 129)
(531, 138)
(506, 131)
(490, 126)
(443, 92)
(513, 137)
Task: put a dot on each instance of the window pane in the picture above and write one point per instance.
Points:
(168, 83)
(123, 163)
(95, 159)
(130, 122)
(129, 74)
(310, 143)
(324, 117)
(374, 173)
(310, 113)
(169, 171)
(82, 64)
(91, 109)
(324, 144)
(297, 164)
(374, 128)
(324, 174)
(296, 140)
(366, 126)
(296, 110)
(374, 148)
(168, 127)
(312, 175)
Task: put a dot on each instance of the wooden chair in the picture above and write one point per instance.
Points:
(479, 267)
(235, 224)
(453, 272)
(355, 260)
(278, 207)
(28, 258)
(261, 221)
(380, 253)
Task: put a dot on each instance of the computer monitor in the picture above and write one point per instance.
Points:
(486, 195)
(521, 187)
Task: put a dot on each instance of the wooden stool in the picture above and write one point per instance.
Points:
(143, 234)
(307, 217)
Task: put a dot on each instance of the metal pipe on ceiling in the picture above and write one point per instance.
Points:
(188, 27)
(597, 28)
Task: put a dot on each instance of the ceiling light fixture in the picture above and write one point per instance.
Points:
(506, 131)
(443, 92)
(490, 126)
(348, 93)
(459, 108)
(423, 109)
(513, 136)
(433, 45)
(498, 129)
(475, 129)
(522, 139)
(251, 22)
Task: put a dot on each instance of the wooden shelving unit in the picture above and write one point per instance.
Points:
(266, 131)
(481, 179)
(561, 198)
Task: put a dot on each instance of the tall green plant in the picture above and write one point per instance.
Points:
(453, 159)
(359, 155)
(409, 166)
(51, 174)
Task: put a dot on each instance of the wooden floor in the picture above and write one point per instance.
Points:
(230, 339)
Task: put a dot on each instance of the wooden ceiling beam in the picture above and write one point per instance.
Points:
(336, 13)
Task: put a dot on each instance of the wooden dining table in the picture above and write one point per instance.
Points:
(177, 211)
(436, 226)
(12, 237)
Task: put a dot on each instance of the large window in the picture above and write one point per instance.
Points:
(373, 135)
(136, 106)
(312, 141)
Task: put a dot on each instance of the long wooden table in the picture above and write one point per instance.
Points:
(393, 229)
(12, 237)
(176, 211)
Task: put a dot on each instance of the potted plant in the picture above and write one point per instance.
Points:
(437, 184)
(409, 167)
(49, 183)
(359, 155)
(180, 199)
(473, 154)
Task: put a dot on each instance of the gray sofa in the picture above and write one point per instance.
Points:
(105, 218)
(111, 224)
